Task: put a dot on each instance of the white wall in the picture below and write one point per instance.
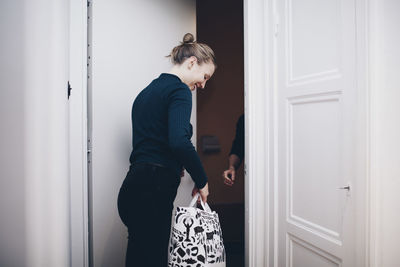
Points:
(130, 40)
(34, 199)
(13, 123)
(385, 135)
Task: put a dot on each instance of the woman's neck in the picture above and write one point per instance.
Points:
(177, 70)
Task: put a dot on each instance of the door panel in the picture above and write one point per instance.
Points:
(302, 254)
(313, 133)
(313, 38)
(316, 104)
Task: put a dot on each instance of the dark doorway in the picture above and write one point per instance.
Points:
(219, 106)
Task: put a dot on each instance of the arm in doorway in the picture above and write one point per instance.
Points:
(236, 155)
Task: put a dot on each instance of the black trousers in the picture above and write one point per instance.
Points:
(145, 204)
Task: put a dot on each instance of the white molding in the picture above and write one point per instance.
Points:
(291, 239)
(363, 144)
(275, 127)
(373, 188)
(258, 92)
(383, 129)
(78, 135)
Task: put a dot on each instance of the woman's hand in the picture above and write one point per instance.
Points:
(203, 192)
(229, 176)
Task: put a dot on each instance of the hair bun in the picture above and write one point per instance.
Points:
(189, 47)
(188, 38)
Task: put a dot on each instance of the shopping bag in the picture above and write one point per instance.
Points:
(196, 238)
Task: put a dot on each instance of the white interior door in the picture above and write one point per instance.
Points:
(317, 125)
(129, 42)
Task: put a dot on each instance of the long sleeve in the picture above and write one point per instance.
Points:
(179, 134)
(238, 143)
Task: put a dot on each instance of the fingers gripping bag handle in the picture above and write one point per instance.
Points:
(205, 205)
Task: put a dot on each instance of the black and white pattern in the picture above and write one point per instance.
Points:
(196, 239)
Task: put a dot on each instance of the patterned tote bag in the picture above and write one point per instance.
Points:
(196, 238)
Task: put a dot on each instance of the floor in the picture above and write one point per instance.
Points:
(234, 254)
(231, 217)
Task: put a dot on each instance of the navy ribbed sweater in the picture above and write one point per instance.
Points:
(161, 128)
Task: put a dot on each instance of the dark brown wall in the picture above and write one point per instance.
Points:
(220, 104)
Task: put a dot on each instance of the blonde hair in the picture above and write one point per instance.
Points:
(189, 47)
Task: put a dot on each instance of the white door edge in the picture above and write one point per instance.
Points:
(79, 222)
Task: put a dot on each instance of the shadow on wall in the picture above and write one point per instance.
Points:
(13, 201)
(111, 256)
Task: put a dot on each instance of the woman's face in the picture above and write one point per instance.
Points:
(199, 74)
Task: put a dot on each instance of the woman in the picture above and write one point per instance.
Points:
(161, 133)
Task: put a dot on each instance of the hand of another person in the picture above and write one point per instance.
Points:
(229, 176)
(203, 192)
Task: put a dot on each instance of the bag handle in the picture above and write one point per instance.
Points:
(205, 206)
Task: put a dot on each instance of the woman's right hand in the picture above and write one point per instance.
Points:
(203, 192)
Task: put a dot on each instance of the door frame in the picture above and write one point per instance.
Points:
(259, 133)
(260, 24)
(78, 134)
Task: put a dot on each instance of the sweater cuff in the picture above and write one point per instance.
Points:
(201, 184)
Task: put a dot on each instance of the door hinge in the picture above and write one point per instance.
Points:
(89, 151)
(69, 88)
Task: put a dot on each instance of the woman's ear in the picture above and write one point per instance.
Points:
(192, 60)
